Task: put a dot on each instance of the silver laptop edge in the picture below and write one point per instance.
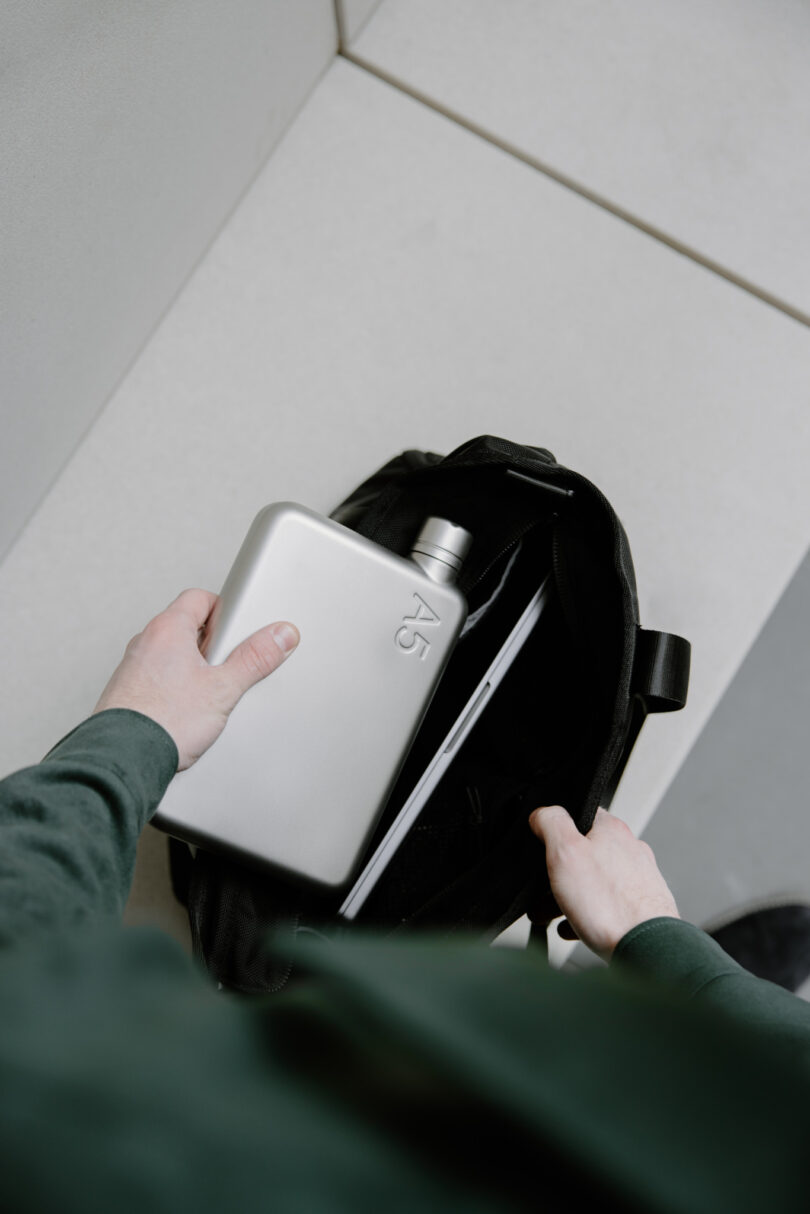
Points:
(443, 757)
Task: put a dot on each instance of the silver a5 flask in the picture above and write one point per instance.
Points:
(306, 763)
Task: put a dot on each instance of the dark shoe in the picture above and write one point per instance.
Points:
(770, 941)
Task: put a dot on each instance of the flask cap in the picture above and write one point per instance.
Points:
(440, 548)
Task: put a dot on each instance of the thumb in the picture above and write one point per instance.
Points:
(259, 655)
(553, 825)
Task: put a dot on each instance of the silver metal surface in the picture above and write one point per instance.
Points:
(440, 549)
(309, 756)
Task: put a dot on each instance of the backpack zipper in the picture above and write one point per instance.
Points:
(503, 551)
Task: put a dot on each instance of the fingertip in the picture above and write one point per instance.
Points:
(286, 636)
(536, 816)
(553, 824)
(195, 603)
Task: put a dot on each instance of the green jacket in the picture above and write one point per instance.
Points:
(409, 1076)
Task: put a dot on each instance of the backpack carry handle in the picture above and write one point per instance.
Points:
(661, 670)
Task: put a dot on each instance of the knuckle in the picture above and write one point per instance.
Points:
(158, 628)
(254, 659)
(565, 851)
(182, 598)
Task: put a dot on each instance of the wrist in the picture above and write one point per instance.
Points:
(637, 922)
(132, 744)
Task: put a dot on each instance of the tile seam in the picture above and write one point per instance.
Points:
(578, 188)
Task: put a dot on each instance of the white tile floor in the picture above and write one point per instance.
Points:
(694, 118)
(393, 280)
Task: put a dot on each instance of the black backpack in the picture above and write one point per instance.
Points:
(558, 730)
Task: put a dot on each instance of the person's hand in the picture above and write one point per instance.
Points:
(164, 675)
(605, 882)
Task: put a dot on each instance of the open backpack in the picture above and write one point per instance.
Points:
(559, 729)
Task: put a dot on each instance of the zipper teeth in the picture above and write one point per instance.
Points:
(555, 562)
(503, 552)
(613, 753)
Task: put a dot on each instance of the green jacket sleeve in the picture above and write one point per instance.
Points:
(681, 955)
(419, 1074)
(69, 825)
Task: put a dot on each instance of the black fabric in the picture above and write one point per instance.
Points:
(559, 729)
(771, 942)
(661, 670)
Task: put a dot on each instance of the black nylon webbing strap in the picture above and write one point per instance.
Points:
(661, 670)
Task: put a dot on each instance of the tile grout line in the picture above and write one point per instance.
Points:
(343, 26)
(577, 188)
(340, 23)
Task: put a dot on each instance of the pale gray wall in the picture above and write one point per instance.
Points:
(734, 826)
(127, 134)
(353, 16)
